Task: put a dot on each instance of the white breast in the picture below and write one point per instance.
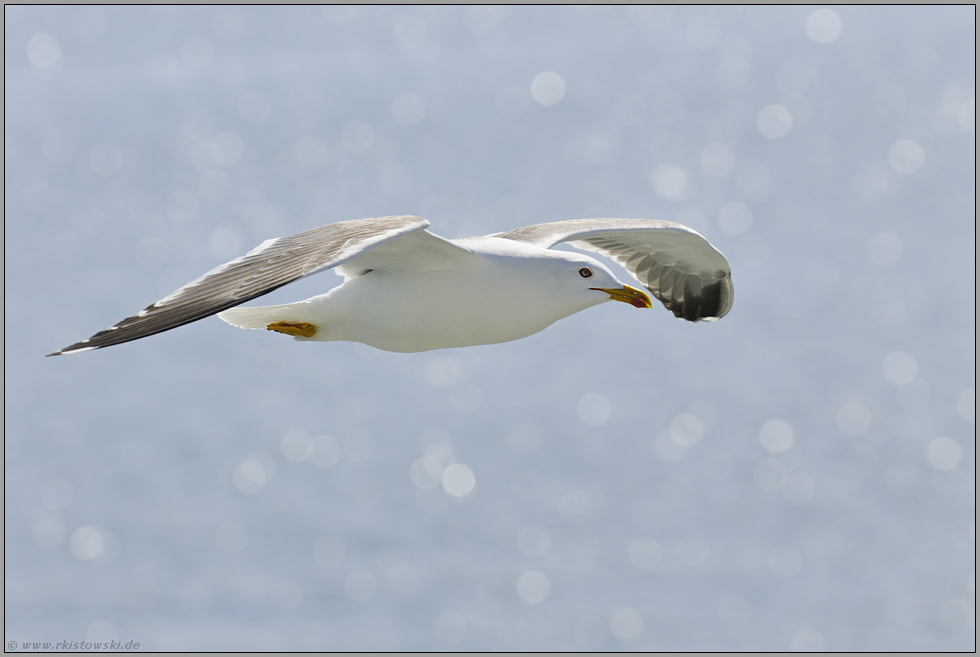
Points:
(503, 298)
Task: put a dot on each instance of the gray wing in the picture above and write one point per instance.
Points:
(679, 267)
(269, 266)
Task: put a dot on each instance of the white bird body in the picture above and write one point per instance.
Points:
(408, 290)
(460, 307)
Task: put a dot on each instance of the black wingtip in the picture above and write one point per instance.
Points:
(702, 303)
(76, 348)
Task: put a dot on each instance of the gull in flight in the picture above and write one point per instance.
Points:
(406, 289)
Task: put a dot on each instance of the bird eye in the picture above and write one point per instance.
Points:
(585, 272)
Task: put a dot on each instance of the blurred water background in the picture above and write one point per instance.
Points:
(797, 476)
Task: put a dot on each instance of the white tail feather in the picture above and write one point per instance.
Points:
(260, 318)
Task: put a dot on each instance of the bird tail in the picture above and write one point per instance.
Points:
(264, 316)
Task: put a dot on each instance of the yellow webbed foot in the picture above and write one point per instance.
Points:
(294, 328)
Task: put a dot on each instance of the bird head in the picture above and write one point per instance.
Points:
(591, 281)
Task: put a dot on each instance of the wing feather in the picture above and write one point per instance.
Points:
(676, 264)
(269, 266)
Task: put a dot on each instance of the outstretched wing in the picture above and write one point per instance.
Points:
(362, 244)
(679, 267)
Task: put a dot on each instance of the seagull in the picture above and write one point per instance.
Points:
(406, 289)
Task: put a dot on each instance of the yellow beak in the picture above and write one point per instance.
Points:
(627, 294)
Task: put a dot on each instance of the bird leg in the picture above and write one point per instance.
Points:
(294, 328)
